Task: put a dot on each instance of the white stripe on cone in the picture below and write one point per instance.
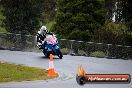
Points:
(51, 64)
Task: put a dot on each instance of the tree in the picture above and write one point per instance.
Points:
(109, 5)
(122, 9)
(127, 13)
(49, 10)
(113, 33)
(79, 19)
(119, 32)
(22, 16)
(1, 19)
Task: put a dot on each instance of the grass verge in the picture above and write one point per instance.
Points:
(17, 73)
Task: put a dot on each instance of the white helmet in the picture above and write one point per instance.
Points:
(43, 30)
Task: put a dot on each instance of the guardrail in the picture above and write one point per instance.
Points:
(27, 43)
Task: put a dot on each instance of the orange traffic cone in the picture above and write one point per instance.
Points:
(51, 70)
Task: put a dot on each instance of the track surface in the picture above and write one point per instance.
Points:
(67, 69)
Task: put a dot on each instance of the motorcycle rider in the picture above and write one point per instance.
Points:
(41, 35)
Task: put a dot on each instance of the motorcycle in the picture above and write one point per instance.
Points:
(51, 47)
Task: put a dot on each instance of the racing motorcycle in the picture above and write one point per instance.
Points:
(51, 47)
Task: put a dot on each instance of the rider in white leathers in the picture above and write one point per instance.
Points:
(41, 37)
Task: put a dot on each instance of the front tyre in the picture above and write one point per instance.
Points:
(59, 54)
(46, 53)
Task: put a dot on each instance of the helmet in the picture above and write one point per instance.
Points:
(43, 30)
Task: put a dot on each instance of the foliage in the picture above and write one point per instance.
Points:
(122, 10)
(22, 16)
(79, 18)
(109, 5)
(49, 10)
(65, 51)
(49, 25)
(115, 33)
(127, 12)
(2, 29)
(86, 20)
(82, 53)
(98, 54)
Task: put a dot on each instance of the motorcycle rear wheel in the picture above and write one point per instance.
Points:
(46, 54)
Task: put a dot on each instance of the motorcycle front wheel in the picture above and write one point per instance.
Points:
(59, 54)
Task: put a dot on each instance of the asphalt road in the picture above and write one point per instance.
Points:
(67, 69)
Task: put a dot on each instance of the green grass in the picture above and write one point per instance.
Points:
(12, 72)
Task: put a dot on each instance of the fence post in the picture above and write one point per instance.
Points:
(108, 52)
(78, 47)
(90, 48)
(99, 46)
(127, 52)
(71, 46)
(118, 51)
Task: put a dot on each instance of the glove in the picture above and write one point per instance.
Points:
(39, 44)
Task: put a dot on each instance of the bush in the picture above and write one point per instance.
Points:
(100, 54)
(115, 33)
(65, 51)
(82, 53)
(3, 30)
(74, 21)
